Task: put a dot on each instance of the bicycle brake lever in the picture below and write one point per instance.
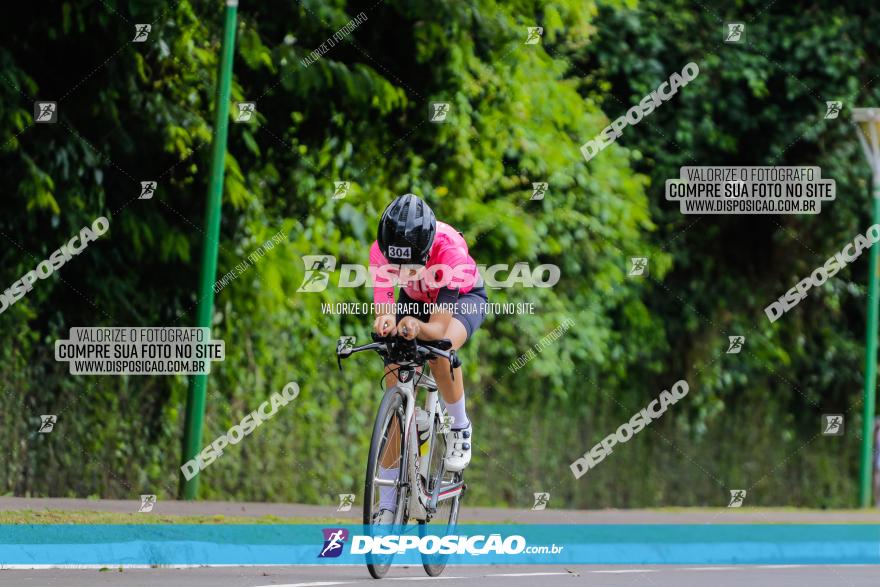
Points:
(342, 352)
(452, 364)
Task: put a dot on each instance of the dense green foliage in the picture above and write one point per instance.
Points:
(143, 111)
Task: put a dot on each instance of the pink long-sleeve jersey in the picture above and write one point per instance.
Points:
(449, 265)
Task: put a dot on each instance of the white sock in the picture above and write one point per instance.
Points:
(458, 413)
(388, 495)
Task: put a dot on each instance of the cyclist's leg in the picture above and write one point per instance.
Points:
(469, 314)
(389, 469)
(389, 461)
(458, 439)
(451, 389)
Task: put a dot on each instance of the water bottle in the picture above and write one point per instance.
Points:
(423, 425)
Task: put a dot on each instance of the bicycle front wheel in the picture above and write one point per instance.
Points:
(385, 482)
(445, 518)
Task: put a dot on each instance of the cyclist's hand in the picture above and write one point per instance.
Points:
(409, 327)
(384, 324)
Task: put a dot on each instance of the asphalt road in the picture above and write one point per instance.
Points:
(513, 576)
(508, 575)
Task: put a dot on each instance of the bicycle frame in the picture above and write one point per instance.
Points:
(422, 503)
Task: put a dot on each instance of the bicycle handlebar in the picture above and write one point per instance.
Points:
(402, 351)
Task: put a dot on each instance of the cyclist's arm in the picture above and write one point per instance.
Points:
(383, 309)
(382, 279)
(383, 293)
(435, 328)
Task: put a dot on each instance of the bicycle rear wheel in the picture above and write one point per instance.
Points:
(447, 509)
(387, 450)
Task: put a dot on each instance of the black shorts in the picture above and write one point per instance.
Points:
(469, 309)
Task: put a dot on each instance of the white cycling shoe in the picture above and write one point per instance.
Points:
(458, 448)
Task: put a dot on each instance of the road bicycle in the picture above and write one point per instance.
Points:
(426, 491)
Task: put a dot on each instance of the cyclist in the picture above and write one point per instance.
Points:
(442, 296)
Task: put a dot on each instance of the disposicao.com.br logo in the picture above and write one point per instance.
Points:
(334, 540)
(478, 544)
(319, 267)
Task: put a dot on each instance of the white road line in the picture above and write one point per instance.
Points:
(314, 584)
(710, 569)
(621, 571)
(779, 566)
(425, 578)
(84, 567)
(523, 574)
(37, 567)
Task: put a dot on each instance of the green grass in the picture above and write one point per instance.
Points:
(95, 517)
(760, 509)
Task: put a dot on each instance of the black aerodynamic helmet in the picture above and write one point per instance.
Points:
(406, 230)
